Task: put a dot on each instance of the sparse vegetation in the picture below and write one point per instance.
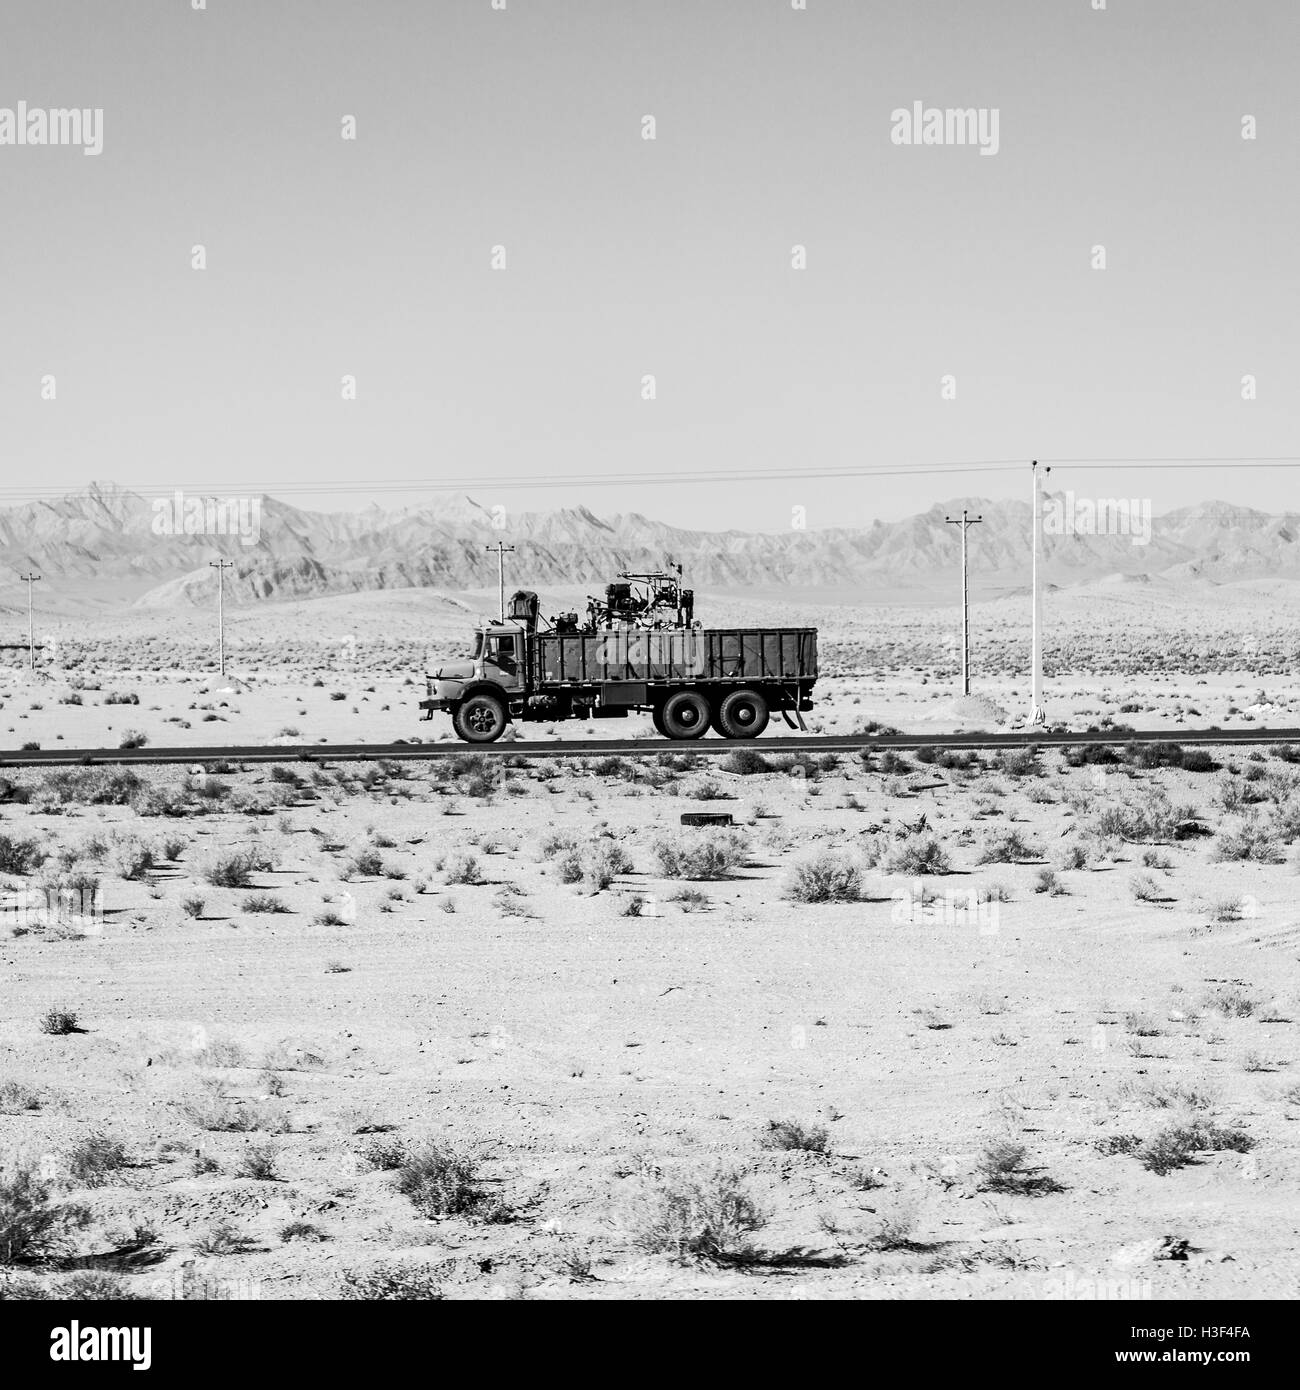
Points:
(301, 1230)
(1007, 847)
(390, 1281)
(440, 1181)
(263, 902)
(729, 948)
(223, 1237)
(917, 854)
(793, 1135)
(258, 1161)
(19, 856)
(1178, 1145)
(17, 1098)
(33, 1224)
(366, 863)
(747, 762)
(463, 868)
(59, 1022)
(95, 1160)
(700, 854)
(1001, 1167)
(707, 1215)
(1253, 839)
(235, 868)
(1145, 889)
(824, 876)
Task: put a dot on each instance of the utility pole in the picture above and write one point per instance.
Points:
(1037, 714)
(502, 551)
(31, 580)
(221, 566)
(966, 522)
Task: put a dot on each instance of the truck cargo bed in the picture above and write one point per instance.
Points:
(738, 655)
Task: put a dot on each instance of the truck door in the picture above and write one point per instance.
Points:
(503, 660)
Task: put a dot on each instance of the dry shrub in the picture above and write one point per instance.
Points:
(707, 1215)
(825, 876)
(391, 1281)
(442, 1182)
(1250, 839)
(700, 854)
(95, 1160)
(792, 1135)
(1007, 847)
(1177, 1145)
(33, 1226)
(918, 853)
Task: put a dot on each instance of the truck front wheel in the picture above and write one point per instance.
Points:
(743, 714)
(480, 719)
(685, 715)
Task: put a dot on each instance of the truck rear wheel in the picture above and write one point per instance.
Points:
(480, 719)
(657, 719)
(743, 714)
(685, 714)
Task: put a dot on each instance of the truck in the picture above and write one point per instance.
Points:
(640, 649)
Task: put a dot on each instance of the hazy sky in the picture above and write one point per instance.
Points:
(523, 128)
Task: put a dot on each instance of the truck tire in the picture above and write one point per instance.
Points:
(480, 719)
(685, 714)
(743, 714)
(657, 719)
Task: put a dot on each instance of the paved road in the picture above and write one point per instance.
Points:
(587, 748)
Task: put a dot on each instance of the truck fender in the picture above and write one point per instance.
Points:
(485, 688)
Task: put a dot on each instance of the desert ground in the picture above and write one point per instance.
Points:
(1148, 655)
(1016, 1026)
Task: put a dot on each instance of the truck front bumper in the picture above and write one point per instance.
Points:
(440, 694)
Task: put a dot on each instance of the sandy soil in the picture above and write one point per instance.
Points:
(351, 669)
(585, 1059)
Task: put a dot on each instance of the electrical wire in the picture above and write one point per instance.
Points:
(482, 483)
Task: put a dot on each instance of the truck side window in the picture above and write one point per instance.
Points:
(503, 652)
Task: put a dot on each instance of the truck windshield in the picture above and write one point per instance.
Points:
(478, 647)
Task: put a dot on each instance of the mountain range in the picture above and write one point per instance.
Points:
(107, 542)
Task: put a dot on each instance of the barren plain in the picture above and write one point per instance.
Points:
(938, 1025)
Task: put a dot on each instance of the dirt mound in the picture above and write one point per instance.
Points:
(972, 713)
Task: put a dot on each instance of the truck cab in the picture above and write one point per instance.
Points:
(478, 689)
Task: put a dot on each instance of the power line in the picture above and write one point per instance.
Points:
(482, 482)
(662, 477)
(1171, 461)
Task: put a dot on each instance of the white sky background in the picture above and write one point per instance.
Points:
(672, 257)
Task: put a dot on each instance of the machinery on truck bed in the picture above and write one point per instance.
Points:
(639, 648)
